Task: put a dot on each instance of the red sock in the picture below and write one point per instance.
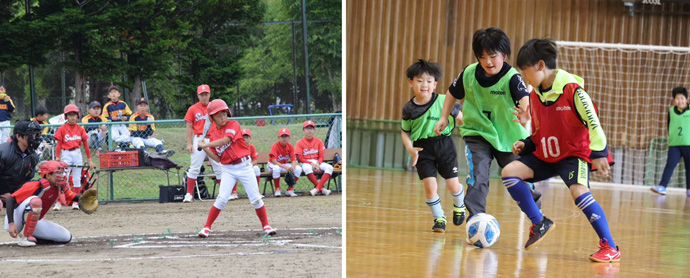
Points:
(234, 189)
(324, 179)
(263, 216)
(277, 183)
(313, 180)
(190, 185)
(212, 215)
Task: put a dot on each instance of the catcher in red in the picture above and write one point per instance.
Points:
(227, 146)
(28, 205)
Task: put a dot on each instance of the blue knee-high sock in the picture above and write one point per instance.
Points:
(522, 194)
(595, 216)
(459, 198)
(435, 206)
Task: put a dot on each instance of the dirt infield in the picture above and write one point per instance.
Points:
(159, 240)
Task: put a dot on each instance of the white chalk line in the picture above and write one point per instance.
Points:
(318, 246)
(131, 259)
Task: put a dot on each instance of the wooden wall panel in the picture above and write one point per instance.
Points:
(386, 36)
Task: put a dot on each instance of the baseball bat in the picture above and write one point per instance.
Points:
(207, 126)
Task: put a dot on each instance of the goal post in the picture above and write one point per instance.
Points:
(631, 85)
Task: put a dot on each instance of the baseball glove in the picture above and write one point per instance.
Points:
(88, 202)
(290, 178)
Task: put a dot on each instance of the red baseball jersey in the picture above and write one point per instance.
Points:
(283, 154)
(310, 149)
(253, 152)
(71, 137)
(197, 114)
(558, 132)
(43, 190)
(232, 151)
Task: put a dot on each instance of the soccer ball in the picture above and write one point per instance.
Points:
(482, 230)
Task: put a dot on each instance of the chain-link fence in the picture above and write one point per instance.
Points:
(143, 184)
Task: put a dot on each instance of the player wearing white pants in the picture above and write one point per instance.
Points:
(45, 231)
(227, 146)
(121, 134)
(327, 172)
(139, 143)
(73, 157)
(276, 171)
(198, 158)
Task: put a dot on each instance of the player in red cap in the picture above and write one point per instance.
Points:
(196, 117)
(247, 135)
(27, 207)
(227, 146)
(282, 159)
(70, 138)
(310, 151)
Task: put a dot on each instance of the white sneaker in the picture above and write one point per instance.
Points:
(234, 197)
(57, 206)
(277, 193)
(269, 231)
(27, 242)
(75, 206)
(204, 232)
(290, 193)
(188, 198)
(325, 192)
(313, 192)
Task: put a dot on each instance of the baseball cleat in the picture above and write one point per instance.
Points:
(75, 206)
(204, 232)
(234, 196)
(269, 231)
(188, 198)
(27, 241)
(313, 192)
(325, 192)
(290, 193)
(57, 206)
(277, 193)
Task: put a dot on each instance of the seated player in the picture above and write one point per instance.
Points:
(97, 135)
(283, 159)
(143, 134)
(28, 205)
(310, 151)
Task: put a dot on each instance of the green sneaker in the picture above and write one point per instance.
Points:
(458, 215)
(439, 225)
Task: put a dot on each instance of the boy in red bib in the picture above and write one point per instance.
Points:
(310, 151)
(227, 146)
(567, 140)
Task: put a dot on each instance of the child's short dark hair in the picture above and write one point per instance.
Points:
(679, 90)
(41, 110)
(535, 50)
(491, 39)
(421, 67)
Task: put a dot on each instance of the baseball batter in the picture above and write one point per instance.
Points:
(310, 151)
(27, 207)
(282, 159)
(227, 146)
(196, 116)
(69, 139)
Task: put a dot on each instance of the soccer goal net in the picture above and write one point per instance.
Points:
(631, 85)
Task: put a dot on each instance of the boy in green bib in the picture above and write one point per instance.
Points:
(491, 90)
(678, 139)
(432, 153)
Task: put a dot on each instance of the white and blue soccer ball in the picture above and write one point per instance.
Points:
(482, 230)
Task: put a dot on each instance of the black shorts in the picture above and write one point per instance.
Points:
(438, 155)
(572, 169)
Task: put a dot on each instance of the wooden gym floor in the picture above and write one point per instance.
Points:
(389, 232)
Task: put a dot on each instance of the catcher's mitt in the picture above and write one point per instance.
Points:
(88, 202)
(290, 178)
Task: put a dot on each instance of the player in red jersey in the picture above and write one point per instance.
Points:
(310, 151)
(70, 137)
(227, 146)
(27, 207)
(567, 139)
(282, 159)
(196, 116)
(247, 135)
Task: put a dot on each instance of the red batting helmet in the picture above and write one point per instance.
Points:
(71, 108)
(246, 131)
(216, 106)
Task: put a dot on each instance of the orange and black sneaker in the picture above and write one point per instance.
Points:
(538, 231)
(606, 254)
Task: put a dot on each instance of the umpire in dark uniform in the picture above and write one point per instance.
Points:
(18, 158)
